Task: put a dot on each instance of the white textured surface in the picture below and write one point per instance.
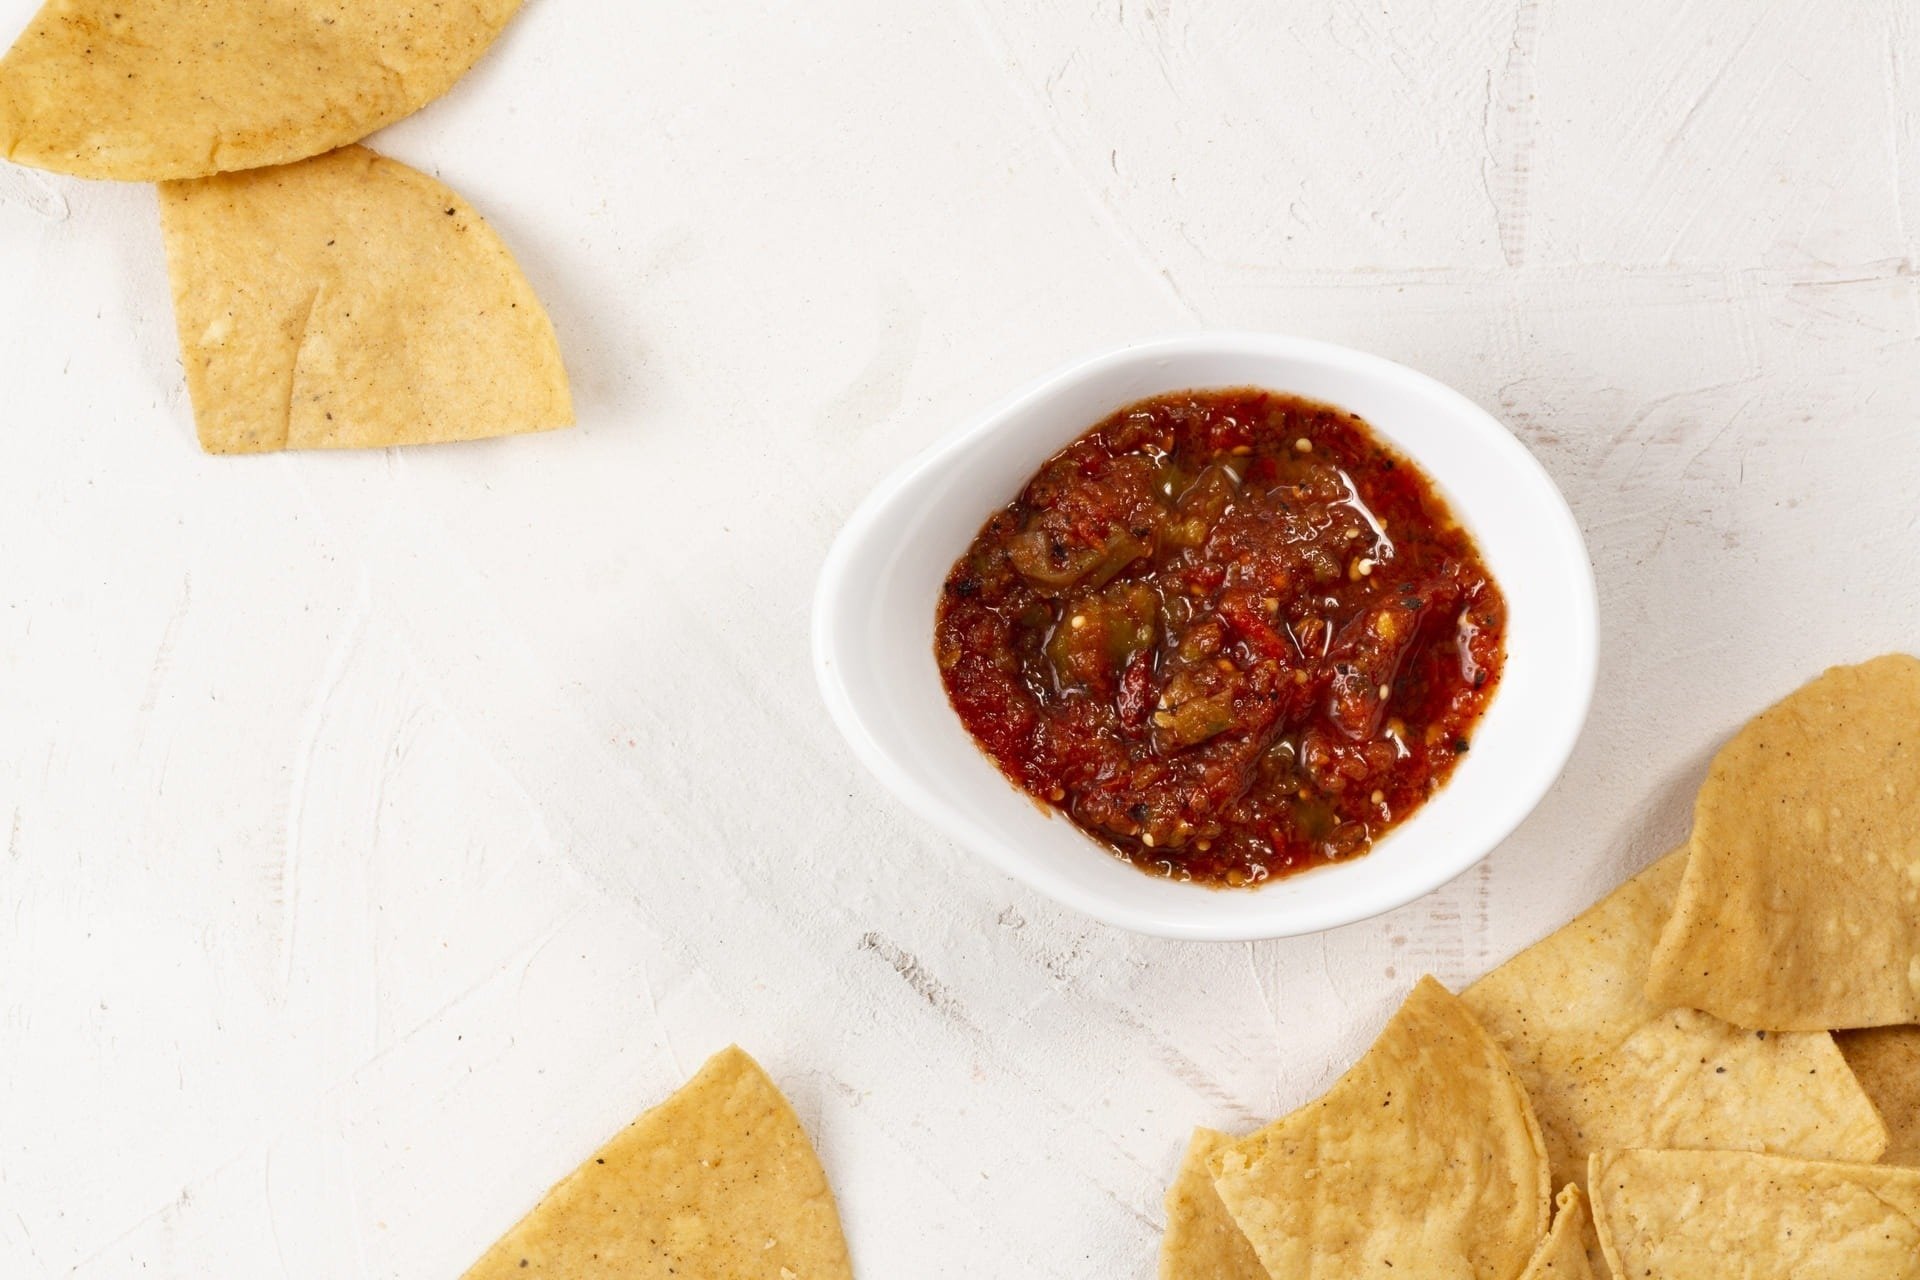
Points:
(381, 831)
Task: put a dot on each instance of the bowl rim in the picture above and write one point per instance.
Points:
(1581, 661)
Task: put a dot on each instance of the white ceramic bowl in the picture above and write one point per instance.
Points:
(874, 612)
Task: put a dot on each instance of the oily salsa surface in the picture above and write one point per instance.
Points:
(1230, 633)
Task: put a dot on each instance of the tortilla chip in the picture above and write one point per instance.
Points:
(1800, 907)
(1201, 1242)
(718, 1180)
(1697, 1215)
(1422, 1160)
(1886, 1061)
(348, 301)
(145, 90)
(1607, 1067)
(1563, 1254)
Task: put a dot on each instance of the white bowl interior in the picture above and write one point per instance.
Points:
(874, 613)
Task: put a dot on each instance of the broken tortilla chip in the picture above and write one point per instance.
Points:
(1201, 1241)
(1607, 1067)
(718, 1180)
(1690, 1215)
(1563, 1254)
(1424, 1159)
(144, 90)
(1886, 1061)
(1800, 906)
(348, 301)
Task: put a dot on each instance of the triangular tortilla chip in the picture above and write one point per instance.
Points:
(1422, 1160)
(348, 301)
(717, 1181)
(144, 90)
(1800, 908)
(1702, 1215)
(1202, 1242)
(1563, 1254)
(1607, 1067)
(1886, 1061)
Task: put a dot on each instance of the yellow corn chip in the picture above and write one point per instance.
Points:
(144, 90)
(1886, 1061)
(348, 301)
(1422, 1160)
(1800, 907)
(1709, 1215)
(1607, 1067)
(1563, 1254)
(717, 1181)
(1201, 1242)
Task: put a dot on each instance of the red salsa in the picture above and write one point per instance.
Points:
(1231, 634)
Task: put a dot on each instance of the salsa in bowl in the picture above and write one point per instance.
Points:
(890, 579)
(1231, 634)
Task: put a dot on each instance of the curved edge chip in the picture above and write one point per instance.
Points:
(1800, 906)
(1424, 1159)
(1563, 1254)
(1886, 1062)
(348, 301)
(718, 1180)
(1605, 1066)
(1201, 1240)
(152, 90)
(1686, 1215)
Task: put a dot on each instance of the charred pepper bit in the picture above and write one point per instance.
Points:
(1102, 633)
(1046, 560)
(1192, 722)
(1201, 504)
(1053, 564)
(1346, 840)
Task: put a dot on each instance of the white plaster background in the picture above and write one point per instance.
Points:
(378, 832)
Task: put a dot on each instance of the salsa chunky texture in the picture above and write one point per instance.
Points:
(1230, 633)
